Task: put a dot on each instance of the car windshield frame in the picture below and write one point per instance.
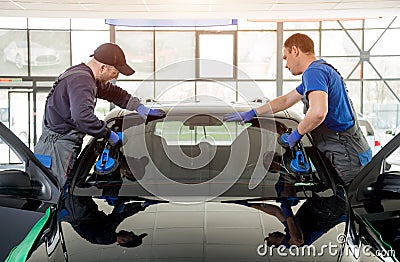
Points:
(266, 185)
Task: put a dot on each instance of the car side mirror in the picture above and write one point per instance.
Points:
(387, 185)
(17, 183)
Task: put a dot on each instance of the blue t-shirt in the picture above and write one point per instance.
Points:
(319, 76)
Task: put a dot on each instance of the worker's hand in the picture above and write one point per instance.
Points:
(145, 111)
(114, 138)
(242, 116)
(294, 138)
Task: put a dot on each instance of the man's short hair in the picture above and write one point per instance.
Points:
(302, 41)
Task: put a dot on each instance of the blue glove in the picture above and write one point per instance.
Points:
(145, 111)
(114, 138)
(293, 138)
(293, 201)
(287, 210)
(242, 116)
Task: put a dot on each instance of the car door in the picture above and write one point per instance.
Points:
(28, 193)
(374, 196)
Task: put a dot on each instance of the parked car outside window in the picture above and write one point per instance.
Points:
(393, 161)
(370, 134)
(16, 52)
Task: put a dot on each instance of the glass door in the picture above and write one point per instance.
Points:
(20, 108)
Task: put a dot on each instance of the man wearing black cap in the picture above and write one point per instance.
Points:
(69, 111)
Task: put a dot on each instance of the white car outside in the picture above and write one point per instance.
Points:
(16, 52)
(370, 134)
(394, 158)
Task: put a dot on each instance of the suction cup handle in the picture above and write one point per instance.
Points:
(120, 135)
(284, 139)
(300, 158)
(105, 163)
(104, 157)
(299, 165)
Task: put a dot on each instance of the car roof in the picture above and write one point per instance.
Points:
(205, 107)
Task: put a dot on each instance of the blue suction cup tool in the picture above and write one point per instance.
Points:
(299, 165)
(120, 135)
(105, 163)
(283, 140)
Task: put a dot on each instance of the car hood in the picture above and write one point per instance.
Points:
(211, 231)
(13, 218)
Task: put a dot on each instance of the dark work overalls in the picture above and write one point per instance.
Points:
(347, 150)
(63, 148)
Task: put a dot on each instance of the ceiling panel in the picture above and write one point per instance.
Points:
(308, 7)
(199, 9)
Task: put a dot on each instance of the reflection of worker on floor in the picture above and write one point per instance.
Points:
(97, 227)
(315, 217)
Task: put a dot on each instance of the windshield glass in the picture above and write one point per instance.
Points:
(195, 155)
(177, 133)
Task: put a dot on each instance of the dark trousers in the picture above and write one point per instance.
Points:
(348, 150)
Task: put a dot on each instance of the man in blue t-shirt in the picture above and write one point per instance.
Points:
(329, 114)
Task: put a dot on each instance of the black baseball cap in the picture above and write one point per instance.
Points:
(112, 54)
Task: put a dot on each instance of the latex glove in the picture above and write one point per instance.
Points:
(145, 111)
(242, 116)
(294, 138)
(114, 138)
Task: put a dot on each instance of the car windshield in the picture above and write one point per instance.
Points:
(199, 155)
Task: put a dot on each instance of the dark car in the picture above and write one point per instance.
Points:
(191, 187)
